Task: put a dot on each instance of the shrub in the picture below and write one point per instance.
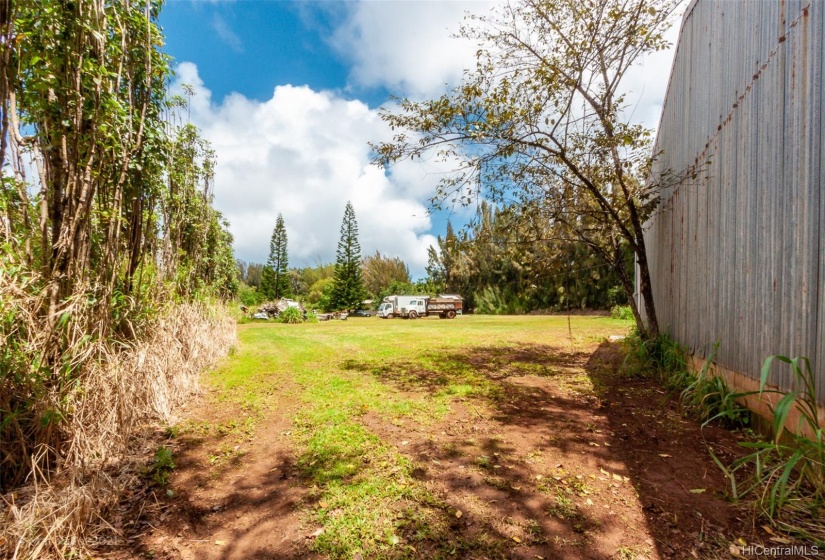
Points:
(622, 312)
(291, 315)
(311, 317)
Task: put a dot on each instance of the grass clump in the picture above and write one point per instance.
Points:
(786, 476)
(703, 395)
(291, 316)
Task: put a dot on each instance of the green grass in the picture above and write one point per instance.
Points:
(366, 498)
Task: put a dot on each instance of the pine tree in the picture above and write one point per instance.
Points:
(275, 282)
(348, 287)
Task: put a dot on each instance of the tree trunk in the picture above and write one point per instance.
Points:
(646, 290)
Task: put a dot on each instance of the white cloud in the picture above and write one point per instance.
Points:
(407, 46)
(646, 82)
(304, 154)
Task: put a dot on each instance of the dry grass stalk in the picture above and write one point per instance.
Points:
(117, 396)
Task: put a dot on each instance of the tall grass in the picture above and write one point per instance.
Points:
(75, 440)
(786, 476)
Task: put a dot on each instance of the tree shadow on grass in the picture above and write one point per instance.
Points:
(577, 408)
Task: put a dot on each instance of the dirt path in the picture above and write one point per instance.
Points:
(565, 460)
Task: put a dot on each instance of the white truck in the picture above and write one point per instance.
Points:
(413, 307)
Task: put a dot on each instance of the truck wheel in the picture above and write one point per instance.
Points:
(413, 315)
(390, 315)
(451, 314)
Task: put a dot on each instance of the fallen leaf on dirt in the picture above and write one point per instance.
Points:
(405, 442)
(539, 477)
(589, 502)
(604, 472)
(220, 543)
(458, 514)
(515, 487)
(607, 444)
(515, 538)
(593, 443)
(316, 533)
(617, 477)
(323, 504)
(665, 455)
(698, 490)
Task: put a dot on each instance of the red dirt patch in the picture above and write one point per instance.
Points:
(551, 468)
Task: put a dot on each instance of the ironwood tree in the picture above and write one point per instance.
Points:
(348, 286)
(541, 123)
(275, 277)
(503, 263)
(381, 271)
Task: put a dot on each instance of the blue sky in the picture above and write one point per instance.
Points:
(250, 46)
(288, 92)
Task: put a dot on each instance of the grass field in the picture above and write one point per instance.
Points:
(479, 437)
(361, 478)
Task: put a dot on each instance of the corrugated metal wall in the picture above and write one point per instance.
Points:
(738, 254)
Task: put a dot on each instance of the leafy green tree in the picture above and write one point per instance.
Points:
(348, 287)
(542, 120)
(319, 294)
(275, 279)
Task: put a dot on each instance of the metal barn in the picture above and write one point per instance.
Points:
(738, 253)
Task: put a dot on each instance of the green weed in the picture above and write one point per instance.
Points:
(703, 395)
(786, 476)
(162, 466)
(707, 397)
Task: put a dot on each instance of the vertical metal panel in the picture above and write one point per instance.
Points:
(736, 254)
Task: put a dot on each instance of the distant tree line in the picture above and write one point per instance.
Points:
(343, 285)
(500, 263)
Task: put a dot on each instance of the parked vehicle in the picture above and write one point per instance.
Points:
(413, 307)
